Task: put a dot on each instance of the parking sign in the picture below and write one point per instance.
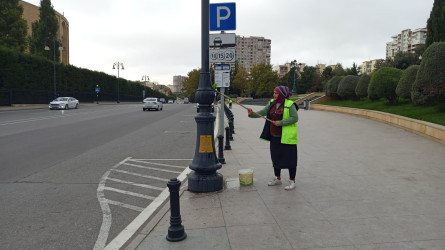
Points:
(222, 16)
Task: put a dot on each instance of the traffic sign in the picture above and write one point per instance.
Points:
(97, 89)
(222, 16)
(222, 40)
(222, 55)
(222, 75)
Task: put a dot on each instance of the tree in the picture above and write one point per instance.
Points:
(403, 60)
(429, 86)
(384, 83)
(307, 79)
(362, 86)
(326, 76)
(388, 62)
(436, 23)
(264, 80)
(12, 26)
(332, 85)
(353, 70)
(44, 32)
(405, 84)
(346, 87)
(191, 84)
(338, 71)
(240, 82)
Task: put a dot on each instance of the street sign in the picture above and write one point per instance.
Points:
(222, 16)
(97, 89)
(222, 40)
(222, 55)
(222, 75)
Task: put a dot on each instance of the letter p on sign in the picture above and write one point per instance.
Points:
(222, 16)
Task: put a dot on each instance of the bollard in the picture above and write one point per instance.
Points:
(176, 230)
(230, 129)
(228, 147)
(232, 125)
(220, 149)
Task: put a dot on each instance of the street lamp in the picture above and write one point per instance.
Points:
(294, 88)
(248, 83)
(146, 79)
(118, 65)
(54, 62)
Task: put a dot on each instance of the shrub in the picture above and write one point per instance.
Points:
(384, 82)
(346, 87)
(362, 86)
(332, 85)
(405, 84)
(429, 86)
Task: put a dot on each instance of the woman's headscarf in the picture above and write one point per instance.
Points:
(283, 93)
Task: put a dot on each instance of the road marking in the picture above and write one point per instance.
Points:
(140, 175)
(120, 204)
(129, 193)
(160, 164)
(135, 184)
(157, 169)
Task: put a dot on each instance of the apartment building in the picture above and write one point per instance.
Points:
(368, 66)
(252, 50)
(406, 41)
(177, 84)
(31, 14)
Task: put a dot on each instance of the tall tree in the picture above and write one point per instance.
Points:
(44, 32)
(12, 26)
(191, 84)
(264, 80)
(353, 70)
(338, 71)
(240, 83)
(436, 23)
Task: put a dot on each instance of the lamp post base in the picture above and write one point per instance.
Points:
(207, 182)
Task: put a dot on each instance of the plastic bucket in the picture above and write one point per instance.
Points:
(245, 177)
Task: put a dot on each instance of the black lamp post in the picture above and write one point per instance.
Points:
(54, 64)
(248, 84)
(204, 178)
(118, 65)
(294, 88)
(145, 78)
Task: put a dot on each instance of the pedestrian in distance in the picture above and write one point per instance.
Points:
(281, 131)
(230, 103)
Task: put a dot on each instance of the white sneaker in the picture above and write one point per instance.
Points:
(274, 182)
(291, 186)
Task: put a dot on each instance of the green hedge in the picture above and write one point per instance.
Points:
(383, 84)
(332, 86)
(346, 87)
(362, 86)
(405, 84)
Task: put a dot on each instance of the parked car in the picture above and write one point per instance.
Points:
(162, 100)
(64, 103)
(171, 101)
(186, 100)
(152, 103)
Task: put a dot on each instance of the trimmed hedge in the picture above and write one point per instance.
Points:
(384, 82)
(346, 87)
(429, 86)
(332, 85)
(362, 86)
(405, 84)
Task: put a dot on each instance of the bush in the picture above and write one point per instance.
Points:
(405, 84)
(332, 85)
(383, 84)
(429, 86)
(346, 87)
(362, 86)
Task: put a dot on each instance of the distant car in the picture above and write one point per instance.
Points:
(64, 103)
(162, 100)
(186, 100)
(152, 103)
(170, 101)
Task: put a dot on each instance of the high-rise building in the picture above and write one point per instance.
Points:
(406, 41)
(177, 84)
(252, 50)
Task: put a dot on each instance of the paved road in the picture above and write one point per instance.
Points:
(74, 179)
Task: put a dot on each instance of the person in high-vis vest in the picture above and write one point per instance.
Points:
(282, 133)
(230, 103)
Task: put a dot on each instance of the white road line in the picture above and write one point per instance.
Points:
(159, 164)
(120, 204)
(106, 211)
(135, 184)
(133, 159)
(157, 169)
(129, 193)
(140, 175)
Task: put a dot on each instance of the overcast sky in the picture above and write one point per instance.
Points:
(162, 38)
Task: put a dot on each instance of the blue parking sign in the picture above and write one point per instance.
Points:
(222, 16)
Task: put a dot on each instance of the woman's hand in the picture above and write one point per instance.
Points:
(275, 123)
(249, 111)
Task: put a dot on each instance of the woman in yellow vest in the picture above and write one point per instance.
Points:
(282, 134)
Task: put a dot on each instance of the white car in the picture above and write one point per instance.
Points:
(64, 103)
(152, 103)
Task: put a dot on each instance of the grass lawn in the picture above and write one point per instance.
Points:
(429, 113)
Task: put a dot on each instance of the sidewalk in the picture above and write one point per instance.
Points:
(361, 184)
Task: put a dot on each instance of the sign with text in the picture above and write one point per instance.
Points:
(222, 16)
(222, 75)
(222, 55)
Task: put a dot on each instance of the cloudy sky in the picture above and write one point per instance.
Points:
(162, 38)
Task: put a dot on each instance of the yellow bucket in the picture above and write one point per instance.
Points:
(245, 177)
